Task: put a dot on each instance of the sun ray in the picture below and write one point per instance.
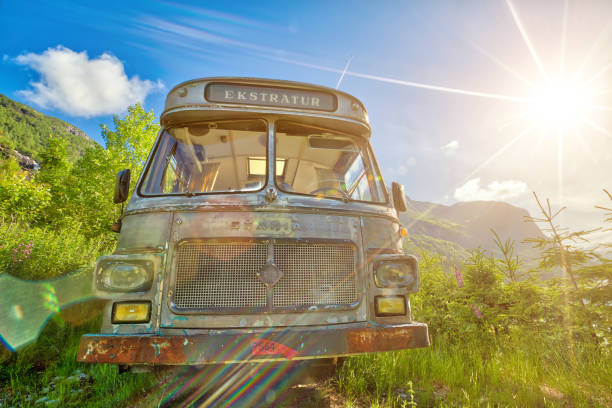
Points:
(560, 165)
(525, 36)
(476, 170)
(602, 71)
(348, 62)
(586, 146)
(602, 34)
(596, 126)
(515, 118)
(498, 153)
(502, 65)
(407, 83)
(440, 88)
(563, 38)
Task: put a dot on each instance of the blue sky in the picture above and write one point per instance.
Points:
(480, 139)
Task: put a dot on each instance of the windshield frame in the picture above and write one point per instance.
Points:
(269, 180)
(153, 155)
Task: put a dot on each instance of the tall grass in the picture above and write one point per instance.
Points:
(526, 372)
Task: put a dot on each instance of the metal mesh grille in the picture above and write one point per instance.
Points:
(219, 275)
(315, 274)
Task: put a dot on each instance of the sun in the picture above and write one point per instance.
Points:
(560, 103)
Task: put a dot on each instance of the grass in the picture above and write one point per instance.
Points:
(525, 372)
(46, 373)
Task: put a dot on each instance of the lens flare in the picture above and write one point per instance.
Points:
(560, 103)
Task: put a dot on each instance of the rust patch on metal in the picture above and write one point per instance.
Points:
(132, 349)
(230, 347)
(370, 340)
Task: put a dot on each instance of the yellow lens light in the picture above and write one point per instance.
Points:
(390, 305)
(131, 312)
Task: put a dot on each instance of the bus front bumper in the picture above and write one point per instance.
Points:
(233, 346)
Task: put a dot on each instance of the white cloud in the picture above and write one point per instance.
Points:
(79, 86)
(495, 191)
(450, 148)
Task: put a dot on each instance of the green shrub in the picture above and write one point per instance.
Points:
(43, 253)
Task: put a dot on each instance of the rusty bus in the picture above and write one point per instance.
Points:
(260, 229)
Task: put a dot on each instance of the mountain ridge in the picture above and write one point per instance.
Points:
(26, 130)
(455, 229)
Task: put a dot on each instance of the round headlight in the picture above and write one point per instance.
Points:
(125, 277)
(395, 274)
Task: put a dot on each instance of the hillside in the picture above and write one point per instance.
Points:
(27, 130)
(452, 230)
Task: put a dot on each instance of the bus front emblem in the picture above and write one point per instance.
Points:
(269, 274)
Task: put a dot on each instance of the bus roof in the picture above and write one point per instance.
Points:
(231, 97)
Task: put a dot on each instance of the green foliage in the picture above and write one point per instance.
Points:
(510, 264)
(21, 198)
(66, 210)
(43, 253)
(82, 192)
(26, 130)
(524, 350)
(585, 282)
(53, 222)
(129, 144)
(89, 186)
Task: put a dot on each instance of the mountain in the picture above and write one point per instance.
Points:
(455, 229)
(26, 130)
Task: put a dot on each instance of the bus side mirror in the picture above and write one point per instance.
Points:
(399, 198)
(122, 186)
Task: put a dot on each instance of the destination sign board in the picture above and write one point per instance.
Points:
(270, 96)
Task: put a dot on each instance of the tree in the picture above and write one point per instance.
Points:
(91, 181)
(510, 262)
(21, 198)
(129, 144)
(54, 172)
(560, 248)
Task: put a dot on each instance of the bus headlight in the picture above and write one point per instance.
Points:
(397, 272)
(120, 276)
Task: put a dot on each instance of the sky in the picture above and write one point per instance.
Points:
(468, 100)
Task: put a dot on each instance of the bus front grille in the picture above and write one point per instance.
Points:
(222, 277)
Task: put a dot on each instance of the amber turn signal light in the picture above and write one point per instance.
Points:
(131, 312)
(390, 305)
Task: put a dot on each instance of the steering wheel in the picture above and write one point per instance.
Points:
(343, 193)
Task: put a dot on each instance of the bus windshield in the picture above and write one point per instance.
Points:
(324, 163)
(221, 156)
(231, 156)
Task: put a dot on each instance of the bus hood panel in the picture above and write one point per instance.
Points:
(263, 269)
